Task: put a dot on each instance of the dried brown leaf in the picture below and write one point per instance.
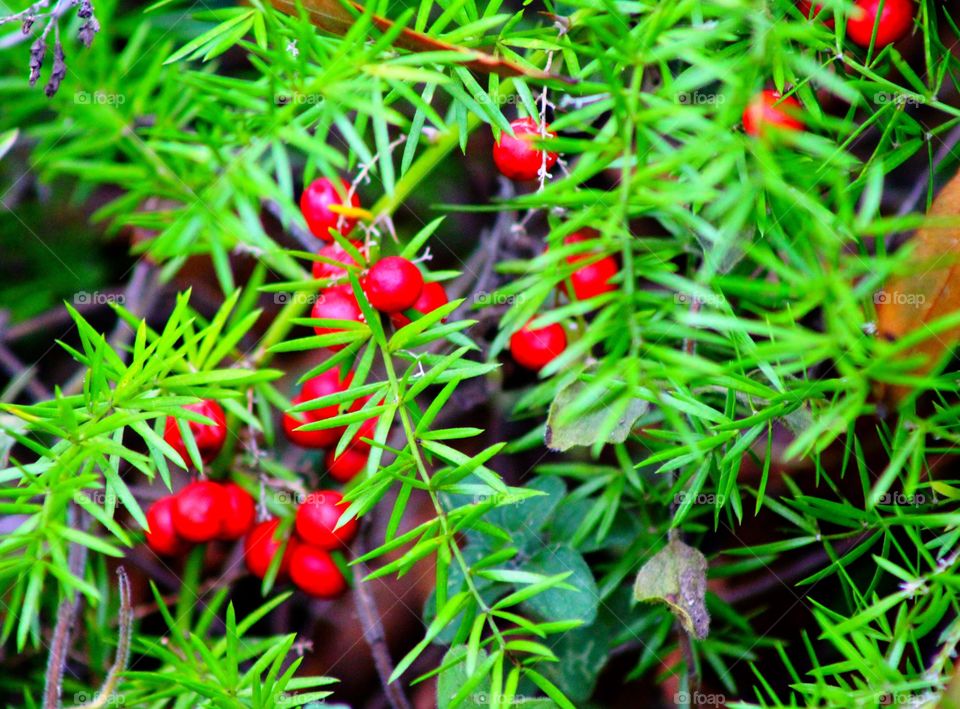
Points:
(334, 17)
(930, 290)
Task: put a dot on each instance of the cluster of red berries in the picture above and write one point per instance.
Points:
(518, 158)
(306, 557)
(534, 348)
(348, 464)
(892, 22)
(203, 511)
(393, 284)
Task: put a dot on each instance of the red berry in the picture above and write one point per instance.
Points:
(315, 573)
(393, 284)
(346, 466)
(515, 155)
(431, 297)
(261, 545)
(200, 510)
(335, 304)
(210, 439)
(162, 536)
(317, 518)
(307, 439)
(534, 348)
(329, 382)
(367, 429)
(768, 109)
(593, 278)
(324, 384)
(241, 512)
(334, 252)
(812, 11)
(896, 19)
(315, 204)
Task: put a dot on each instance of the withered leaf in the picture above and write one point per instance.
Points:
(930, 290)
(564, 431)
(677, 575)
(334, 17)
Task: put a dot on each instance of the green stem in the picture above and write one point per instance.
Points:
(189, 589)
(408, 429)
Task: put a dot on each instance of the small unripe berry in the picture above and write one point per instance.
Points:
(261, 545)
(210, 439)
(162, 535)
(515, 155)
(317, 518)
(393, 284)
(895, 22)
(314, 572)
(335, 304)
(346, 466)
(534, 348)
(334, 252)
(431, 297)
(768, 109)
(199, 511)
(240, 512)
(315, 204)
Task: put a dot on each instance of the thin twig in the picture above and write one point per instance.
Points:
(374, 634)
(53, 318)
(105, 695)
(22, 376)
(60, 646)
(307, 240)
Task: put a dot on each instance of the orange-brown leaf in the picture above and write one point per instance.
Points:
(334, 17)
(930, 291)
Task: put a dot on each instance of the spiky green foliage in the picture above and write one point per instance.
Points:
(742, 316)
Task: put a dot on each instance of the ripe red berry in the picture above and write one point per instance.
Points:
(895, 22)
(317, 518)
(591, 279)
(240, 512)
(768, 108)
(534, 348)
(199, 511)
(324, 384)
(431, 297)
(393, 284)
(262, 544)
(812, 11)
(162, 535)
(367, 429)
(515, 155)
(210, 439)
(346, 466)
(315, 573)
(315, 204)
(307, 439)
(334, 252)
(335, 304)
